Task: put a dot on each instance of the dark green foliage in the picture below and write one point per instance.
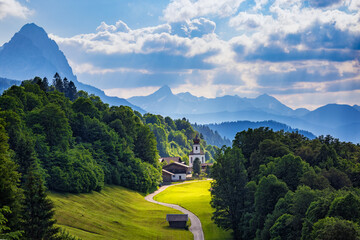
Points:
(10, 192)
(283, 228)
(289, 169)
(228, 190)
(315, 180)
(54, 125)
(145, 146)
(75, 171)
(278, 205)
(337, 178)
(346, 207)
(79, 146)
(58, 83)
(268, 192)
(5, 232)
(86, 107)
(335, 229)
(196, 166)
(38, 210)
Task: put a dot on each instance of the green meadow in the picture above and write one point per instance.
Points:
(195, 196)
(114, 213)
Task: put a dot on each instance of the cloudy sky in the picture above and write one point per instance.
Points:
(306, 53)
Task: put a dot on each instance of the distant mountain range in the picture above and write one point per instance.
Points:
(229, 129)
(30, 53)
(164, 101)
(340, 121)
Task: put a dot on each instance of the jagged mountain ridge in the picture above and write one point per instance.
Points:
(30, 53)
(341, 121)
(163, 101)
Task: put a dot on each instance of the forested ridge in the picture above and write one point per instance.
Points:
(278, 185)
(55, 137)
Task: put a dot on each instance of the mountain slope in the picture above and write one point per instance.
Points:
(30, 53)
(6, 83)
(333, 115)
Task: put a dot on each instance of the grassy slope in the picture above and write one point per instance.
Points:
(114, 213)
(195, 196)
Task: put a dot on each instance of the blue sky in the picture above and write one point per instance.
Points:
(304, 52)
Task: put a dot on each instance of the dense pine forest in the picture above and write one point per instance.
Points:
(55, 137)
(277, 185)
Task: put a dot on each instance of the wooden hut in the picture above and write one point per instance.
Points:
(177, 220)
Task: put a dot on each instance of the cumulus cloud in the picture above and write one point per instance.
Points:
(194, 28)
(12, 8)
(185, 10)
(120, 39)
(278, 47)
(292, 31)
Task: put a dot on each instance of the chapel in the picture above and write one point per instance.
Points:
(196, 153)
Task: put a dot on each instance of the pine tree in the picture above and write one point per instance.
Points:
(58, 83)
(38, 213)
(66, 87)
(72, 91)
(196, 166)
(10, 193)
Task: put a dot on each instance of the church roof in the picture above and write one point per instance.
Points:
(201, 153)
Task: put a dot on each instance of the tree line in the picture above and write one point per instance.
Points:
(53, 137)
(277, 185)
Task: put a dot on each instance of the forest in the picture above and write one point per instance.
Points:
(278, 185)
(54, 137)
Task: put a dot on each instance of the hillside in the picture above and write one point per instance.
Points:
(115, 213)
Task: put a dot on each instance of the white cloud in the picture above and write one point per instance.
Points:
(185, 10)
(129, 92)
(312, 101)
(91, 69)
(119, 39)
(12, 8)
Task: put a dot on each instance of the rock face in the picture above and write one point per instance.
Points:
(30, 53)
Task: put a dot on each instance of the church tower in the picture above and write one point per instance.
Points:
(196, 153)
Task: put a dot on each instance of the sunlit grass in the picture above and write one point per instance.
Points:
(195, 196)
(114, 213)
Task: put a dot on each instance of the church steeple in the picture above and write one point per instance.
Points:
(196, 152)
(196, 145)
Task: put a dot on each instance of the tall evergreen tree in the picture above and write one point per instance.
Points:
(45, 84)
(71, 91)
(228, 190)
(58, 83)
(38, 213)
(196, 166)
(10, 193)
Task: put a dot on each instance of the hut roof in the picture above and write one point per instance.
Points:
(177, 217)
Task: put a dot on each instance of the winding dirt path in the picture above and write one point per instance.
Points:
(195, 227)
